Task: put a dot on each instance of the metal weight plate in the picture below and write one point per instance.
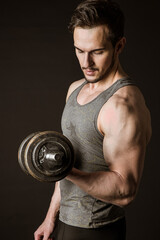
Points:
(49, 156)
(21, 151)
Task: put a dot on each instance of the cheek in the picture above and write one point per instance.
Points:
(107, 60)
(104, 62)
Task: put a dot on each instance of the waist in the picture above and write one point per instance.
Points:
(82, 210)
(115, 230)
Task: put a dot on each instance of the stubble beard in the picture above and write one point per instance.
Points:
(105, 74)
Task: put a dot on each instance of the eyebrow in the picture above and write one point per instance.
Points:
(94, 50)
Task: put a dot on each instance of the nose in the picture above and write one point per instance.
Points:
(87, 60)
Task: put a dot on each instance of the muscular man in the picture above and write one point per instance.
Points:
(108, 123)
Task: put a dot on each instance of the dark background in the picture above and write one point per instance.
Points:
(37, 64)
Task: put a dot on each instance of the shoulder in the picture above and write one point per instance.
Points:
(73, 86)
(126, 110)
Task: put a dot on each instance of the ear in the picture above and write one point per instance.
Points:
(120, 45)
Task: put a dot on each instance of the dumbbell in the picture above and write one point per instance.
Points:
(47, 156)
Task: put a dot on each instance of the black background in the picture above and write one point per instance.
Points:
(37, 65)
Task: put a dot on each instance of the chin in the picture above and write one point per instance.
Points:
(94, 80)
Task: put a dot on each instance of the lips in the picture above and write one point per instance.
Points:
(89, 72)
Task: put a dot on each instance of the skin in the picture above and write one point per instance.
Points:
(124, 121)
(45, 229)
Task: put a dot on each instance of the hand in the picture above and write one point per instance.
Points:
(44, 231)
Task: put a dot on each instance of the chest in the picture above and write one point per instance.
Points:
(85, 96)
(79, 124)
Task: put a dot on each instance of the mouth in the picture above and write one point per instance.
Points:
(89, 71)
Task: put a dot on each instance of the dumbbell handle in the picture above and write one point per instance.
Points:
(55, 157)
(51, 159)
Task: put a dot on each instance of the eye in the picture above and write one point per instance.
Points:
(98, 52)
(79, 51)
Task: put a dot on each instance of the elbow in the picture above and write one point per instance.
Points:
(126, 201)
(127, 197)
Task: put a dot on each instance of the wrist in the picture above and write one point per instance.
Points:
(51, 216)
(76, 174)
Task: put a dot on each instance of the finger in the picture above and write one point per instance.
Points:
(46, 237)
(38, 237)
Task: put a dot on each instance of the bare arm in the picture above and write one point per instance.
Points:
(47, 227)
(125, 128)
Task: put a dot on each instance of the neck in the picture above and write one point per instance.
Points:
(114, 75)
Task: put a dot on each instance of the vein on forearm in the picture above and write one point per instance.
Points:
(55, 203)
(107, 186)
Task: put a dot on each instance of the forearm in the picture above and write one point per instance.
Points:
(47, 227)
(55, 203)
(106, 186)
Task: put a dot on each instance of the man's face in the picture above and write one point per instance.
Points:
(94, 52)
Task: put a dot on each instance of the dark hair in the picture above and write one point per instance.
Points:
(92, 13)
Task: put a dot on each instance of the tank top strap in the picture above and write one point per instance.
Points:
(116, 86)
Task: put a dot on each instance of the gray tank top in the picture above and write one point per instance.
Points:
(79, 125)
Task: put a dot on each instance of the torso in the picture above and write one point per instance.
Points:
(88, 144)
(79, 125)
